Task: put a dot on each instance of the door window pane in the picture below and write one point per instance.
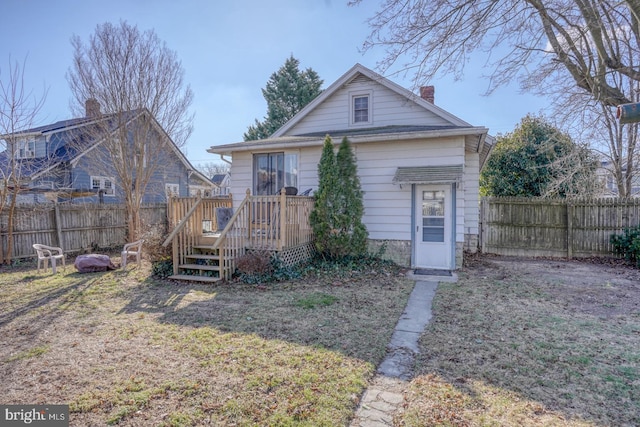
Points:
(433, 234)
(433, 216)
(433, 203)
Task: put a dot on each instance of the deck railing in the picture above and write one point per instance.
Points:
(190, 218)
(271, 223)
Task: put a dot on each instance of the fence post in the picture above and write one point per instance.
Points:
(570, 209)
(482, 225)
(56, 210)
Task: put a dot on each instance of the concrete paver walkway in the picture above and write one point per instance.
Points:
(385, 394)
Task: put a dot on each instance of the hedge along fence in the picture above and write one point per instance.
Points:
(554, 227)
(75, 228)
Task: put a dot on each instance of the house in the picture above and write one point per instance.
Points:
(71, 161)
(609, 186)
(222, 183)
(418, 164)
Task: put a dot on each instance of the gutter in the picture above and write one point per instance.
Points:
(314, 141)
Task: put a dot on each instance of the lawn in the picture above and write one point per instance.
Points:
(519, 342)
(514, 342)
(123, 348)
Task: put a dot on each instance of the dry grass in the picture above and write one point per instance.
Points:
(122, 348)
(531, 343)
(513, 343)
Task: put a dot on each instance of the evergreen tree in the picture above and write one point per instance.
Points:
(352, 233)
(336, 218)
(538, 160)
(288, 91)
(322, 216)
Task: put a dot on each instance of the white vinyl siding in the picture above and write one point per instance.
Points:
(387, 206)
(472, 193)
(385, 108)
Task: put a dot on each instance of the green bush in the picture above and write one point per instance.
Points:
(628, 244)
(254, 270)
(162, 268)
(337, 212)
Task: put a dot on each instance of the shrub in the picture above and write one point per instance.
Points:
(162, 268)
(628, 244)
(255, 262)
(262, 267)
(350, 266)
(154, 235)
(336, 217)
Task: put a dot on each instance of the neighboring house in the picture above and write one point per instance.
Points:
(222, 183)
(610, 187)
(418, 164)
(57, 162)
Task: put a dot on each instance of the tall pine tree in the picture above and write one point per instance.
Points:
(336, 218)
(352, 232)
(322, 216)
(288, 91)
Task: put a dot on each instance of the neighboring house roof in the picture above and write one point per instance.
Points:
(218, 178)
(81, 132)
(477, 138)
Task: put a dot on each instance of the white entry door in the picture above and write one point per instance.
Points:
(433, 218)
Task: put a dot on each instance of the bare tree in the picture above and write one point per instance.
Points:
(134, 83)
(212, 168)
(539, 43)
(594, 122)
(19, 108)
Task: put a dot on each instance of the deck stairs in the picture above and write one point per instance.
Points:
(202, 265)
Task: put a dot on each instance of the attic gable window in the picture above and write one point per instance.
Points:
(361, 108)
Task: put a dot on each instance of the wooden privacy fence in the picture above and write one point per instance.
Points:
(556, 227)
(75, 228)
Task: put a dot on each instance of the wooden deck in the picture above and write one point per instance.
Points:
(202, 252)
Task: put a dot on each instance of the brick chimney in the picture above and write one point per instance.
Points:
(92, 108)
(428, 93)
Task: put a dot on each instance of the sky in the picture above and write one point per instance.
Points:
(228, 50)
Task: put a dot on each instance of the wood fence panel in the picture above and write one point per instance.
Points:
(75, 228)
(557, 228)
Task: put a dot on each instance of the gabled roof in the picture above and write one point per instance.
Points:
(352, 74)
(81, 132)
(476, 137)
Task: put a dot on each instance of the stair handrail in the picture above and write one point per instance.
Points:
(181, 223)
(231, 222)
